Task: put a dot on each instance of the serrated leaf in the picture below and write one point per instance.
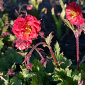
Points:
(11, 37)
(66, 62)
(12, 56)
(5, 18)
(62, 61)
(49, 38)
(37, 66)
(1, 23)
(83, 75)
(49, 67)
(81, 67)
(76, 75)
(36, 81)
(65, 76)
(3, 64)
(15, 81)
(23, 66)
(57, 49)
(1, 44)
(27, 74)
(5, 28)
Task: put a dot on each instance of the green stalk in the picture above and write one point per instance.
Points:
(58, 23)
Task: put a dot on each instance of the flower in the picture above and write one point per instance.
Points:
(73, 14)
(29, 66)
(22, 44)
(11, 72)
(5, 33)
(29, 7)
(26, 28)
(2, 8)
(43, 62)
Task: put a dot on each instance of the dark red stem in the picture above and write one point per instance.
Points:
(53, 56)
(77, 42)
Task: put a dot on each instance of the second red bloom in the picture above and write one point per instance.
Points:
(73, 14)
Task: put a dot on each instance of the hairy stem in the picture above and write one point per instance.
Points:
(77, 43)
(22, 6)
(2, 78)
(53, 56)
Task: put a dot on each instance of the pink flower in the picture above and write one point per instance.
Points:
(11, 72)
(29, 66)
(2, 8)
(74, 14)
(22, 44)
(43, 62)
(26, 28)
(29, 7)
(5, 33)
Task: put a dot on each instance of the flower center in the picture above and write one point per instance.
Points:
(28, 28)
(73, 14)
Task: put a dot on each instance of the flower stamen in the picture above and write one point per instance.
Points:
(28, 28)
(72, 14)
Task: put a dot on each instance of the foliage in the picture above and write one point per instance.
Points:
(40, 63)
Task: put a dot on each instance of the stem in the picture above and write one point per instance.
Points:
(29, 54)
(2, 78)
(53, 56)
(22, 6)
(77, 42)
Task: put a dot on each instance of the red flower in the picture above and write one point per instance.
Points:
(26, 28)
(22, 44)
(73, 14)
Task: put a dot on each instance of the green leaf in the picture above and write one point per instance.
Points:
(37, 66)
(81, 67)
(65, 76)
(5, 28)
(63, 13)
(57, 49)
(62, 4)
(5, 18)
(63, 8)
(26, 74)
(15, 81)
(49, 38)
(49, 67)
(12, 56)
(11, 37)
(1, 24)
(76, 75)
(36, 80)
(3, 64)
(1, 43)
(62, 61)
(83, 75)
